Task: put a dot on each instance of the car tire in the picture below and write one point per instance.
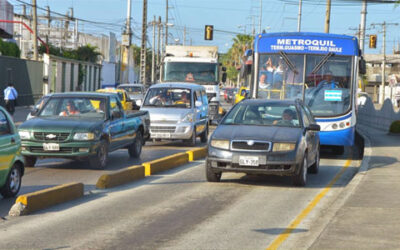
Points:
(212, 176)
(192, 141)
(30, 161)
(300, 179)
(314, 168)
(13, 182)
(135, 148)
(204, 135)
(99, 161)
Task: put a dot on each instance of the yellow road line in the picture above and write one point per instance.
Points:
(283, 236)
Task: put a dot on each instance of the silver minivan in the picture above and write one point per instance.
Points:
(178, 111)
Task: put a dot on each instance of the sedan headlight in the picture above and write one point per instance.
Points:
(24, 135)
(188, 118)
(222, 144)
(84, 136)
(280, 147)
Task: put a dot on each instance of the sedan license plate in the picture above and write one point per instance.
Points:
(51, 147)
(248, 161)
(162, 135)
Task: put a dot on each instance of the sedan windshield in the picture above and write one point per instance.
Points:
(132, 90)
(74, 107)
(265, 114)
(168, 97)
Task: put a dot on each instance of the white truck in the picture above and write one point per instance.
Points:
(195, 64)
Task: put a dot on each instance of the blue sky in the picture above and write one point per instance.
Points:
(230, 16)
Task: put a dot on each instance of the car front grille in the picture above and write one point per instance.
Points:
(162, 129)
(37, 149)
(249, 145)
(49, 136)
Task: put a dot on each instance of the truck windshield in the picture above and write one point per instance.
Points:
(77, 107)
(168, 97)
(326, 84)
(191, 72)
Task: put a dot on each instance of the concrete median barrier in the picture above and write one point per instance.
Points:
(165, 163)
(197, 153)
(31, 202)
(121, 177)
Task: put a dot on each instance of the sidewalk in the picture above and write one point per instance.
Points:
(370, 217)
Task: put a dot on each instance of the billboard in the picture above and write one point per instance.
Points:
(6, 13)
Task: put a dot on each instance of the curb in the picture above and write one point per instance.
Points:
(165, 163)
(31, 202)
(121, 177)
(197, 153)
(45, 198)
(346, 193)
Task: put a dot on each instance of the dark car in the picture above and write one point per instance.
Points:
(265, 137)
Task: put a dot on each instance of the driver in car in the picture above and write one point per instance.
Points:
(287, 118)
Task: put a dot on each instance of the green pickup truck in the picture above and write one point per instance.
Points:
(11, 160)
(81, 126)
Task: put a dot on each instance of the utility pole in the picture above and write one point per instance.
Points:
(184, 36)
(126, 44)
(166, 24)
(299, 16)
(153, 54)
(143, 49)
(362, 25)
(159, 40)
(48, 24)
(260, 24)
(382, 91)
(35, 36)
(327, 16)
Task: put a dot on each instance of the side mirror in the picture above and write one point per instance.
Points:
(34, 112)
(223, 77)
(116, 115)
(314, 127)
(198, 103)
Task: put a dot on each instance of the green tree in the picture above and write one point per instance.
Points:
(9, 49)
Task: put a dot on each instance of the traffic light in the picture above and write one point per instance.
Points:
(372, 41)
(208, 32)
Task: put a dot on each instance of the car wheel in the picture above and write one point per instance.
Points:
(30, 161)
(135, 148)
(13, 182)
(192, 141)
(314, 168)
(300, 178)
(99, 161)
(211, 176)
(204, 135)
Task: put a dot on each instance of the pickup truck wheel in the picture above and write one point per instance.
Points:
(204, 135)
(99, 161)
(30, 161)
(13, 183)
(211, 176)
(300, 178)
(135, 148)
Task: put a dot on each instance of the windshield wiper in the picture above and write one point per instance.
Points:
(322, 62)
(288, 62)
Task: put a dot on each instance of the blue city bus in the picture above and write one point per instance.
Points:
(319, 68)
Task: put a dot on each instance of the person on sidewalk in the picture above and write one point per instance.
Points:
(10, 97)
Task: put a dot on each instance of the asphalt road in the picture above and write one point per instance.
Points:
(178, 209)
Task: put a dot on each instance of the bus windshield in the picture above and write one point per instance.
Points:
(325, 80)
(191, 72)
